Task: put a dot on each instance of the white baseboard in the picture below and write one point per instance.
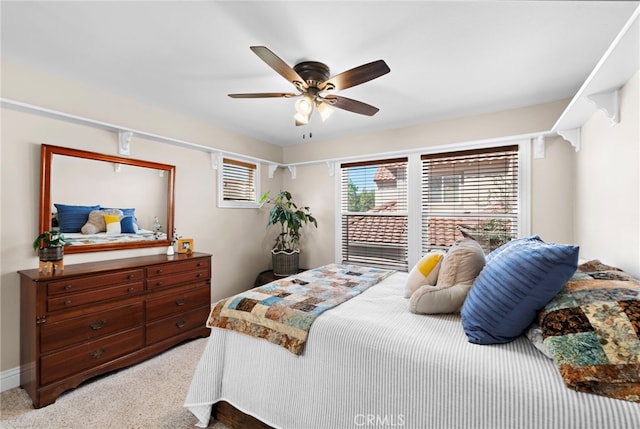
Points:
(9, 379)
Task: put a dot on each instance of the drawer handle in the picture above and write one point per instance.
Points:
(67, 302)
(158, 271)
(67, 287)
(199, 264)
(199, 275)
(180, 302)
(131, 277)
(98, 325)
(180, 324)
(132, 289)
(159, 284)
(98, 353)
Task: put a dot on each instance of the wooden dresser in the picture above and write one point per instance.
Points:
(95, 317)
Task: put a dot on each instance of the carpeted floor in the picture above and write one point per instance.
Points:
(147, 395)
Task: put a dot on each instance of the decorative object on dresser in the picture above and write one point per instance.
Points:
(50, 248)
(291, 218)
(96, 317)
(185, 245)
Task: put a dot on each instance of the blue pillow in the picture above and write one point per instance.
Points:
(508, 244)
(128, 225)
(513, 286)
(72, 218)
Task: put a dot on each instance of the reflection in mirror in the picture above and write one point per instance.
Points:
(81, 191)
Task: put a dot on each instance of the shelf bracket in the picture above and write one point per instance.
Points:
(272, 170)
(609, 103)
(292, 170)
(124, 142)
(572, 136)
(216, 158)
(331, 167)
(538, 147)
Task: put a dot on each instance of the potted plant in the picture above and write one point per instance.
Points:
(50, 245)
(291, 218)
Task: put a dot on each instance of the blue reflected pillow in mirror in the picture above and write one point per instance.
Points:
(71, 218)
(128, 225)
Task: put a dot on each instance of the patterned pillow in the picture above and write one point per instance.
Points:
(71, 218)
(513, 286)
(592, 331)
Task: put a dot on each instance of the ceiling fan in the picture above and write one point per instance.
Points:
(311, 79)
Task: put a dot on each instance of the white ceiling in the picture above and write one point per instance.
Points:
(447, 58)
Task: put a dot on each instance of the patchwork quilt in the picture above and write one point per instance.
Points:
(592, 330)
(283, 311)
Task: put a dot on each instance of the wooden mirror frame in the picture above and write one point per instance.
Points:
(46, 156)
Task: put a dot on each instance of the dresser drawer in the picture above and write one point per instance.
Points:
(178, 302)
(175, 325)
(195, 264)
(75, 359)
(93, 282)
(176, 279)
(56, 335)
(77, 299)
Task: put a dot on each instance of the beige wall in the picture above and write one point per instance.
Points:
(237, 238)
(228, 234)
(607, 221)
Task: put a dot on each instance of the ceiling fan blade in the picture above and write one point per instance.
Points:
(283, 69)
(264, 95)
(355, 76)
(354, 106)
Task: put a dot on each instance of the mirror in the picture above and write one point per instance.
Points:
(73, 182)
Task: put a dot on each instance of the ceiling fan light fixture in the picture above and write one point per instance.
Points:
(324, 110)
(302, 119)
(304, 106)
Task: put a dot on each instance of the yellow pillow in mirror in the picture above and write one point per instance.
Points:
(113, 224)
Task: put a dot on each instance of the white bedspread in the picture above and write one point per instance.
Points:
(371, 363)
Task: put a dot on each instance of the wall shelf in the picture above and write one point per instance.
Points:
(600, 90)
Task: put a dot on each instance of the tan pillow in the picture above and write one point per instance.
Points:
(459, 268)
(95, 222)
(425, 272)
(462, 263)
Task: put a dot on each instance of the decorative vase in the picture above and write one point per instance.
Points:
(285, 263)
(170, 250)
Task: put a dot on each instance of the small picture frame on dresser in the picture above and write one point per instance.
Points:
(185, 245)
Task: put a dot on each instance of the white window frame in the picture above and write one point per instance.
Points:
(222, 203)
(415, 184)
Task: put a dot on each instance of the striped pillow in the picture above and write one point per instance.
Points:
(514, 285)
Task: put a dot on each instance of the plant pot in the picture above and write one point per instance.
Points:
(51, 254)
(285, 262)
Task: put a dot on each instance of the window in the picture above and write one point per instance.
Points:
(237, 185)
(374, 218)
(472, 193)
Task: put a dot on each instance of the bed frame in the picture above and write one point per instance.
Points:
(226, 413)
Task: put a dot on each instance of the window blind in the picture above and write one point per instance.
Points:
(238, 180)
(470, 193)
(374, 213)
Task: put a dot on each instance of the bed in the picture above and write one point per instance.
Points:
(369, 362)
